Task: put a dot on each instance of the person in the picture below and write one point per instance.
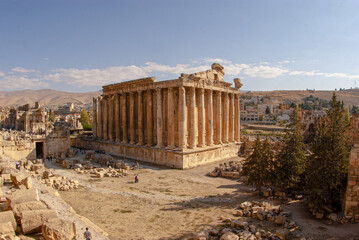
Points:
(18, 166)
(87, 234)
(136, 179)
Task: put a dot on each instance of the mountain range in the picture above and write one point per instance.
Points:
(53, 98)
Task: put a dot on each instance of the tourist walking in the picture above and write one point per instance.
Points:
(87, 234)
(136, 179)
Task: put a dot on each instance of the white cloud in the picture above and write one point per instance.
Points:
(11, 82)
(217, 60)
(21, 78)
(22, 70)
(265, 71)
(178, 69)
(235, 69)
(95, 77)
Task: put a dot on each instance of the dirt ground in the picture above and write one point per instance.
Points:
(174, 204)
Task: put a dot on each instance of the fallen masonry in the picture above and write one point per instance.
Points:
(30, 207)
(241, 228)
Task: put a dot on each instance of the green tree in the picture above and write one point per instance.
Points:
(355, 110)
(327, 169)
(347, 114)
(258, 167)
(293, 105)
(84, 118)
(290, 163)
(51, 116)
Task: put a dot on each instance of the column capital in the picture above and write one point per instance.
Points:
(201, 90)
(182, 89)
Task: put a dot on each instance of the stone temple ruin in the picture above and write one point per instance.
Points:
(180, 123)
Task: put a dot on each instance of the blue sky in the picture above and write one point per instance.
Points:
(81, 45)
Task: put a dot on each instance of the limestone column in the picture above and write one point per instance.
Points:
(201, 119)
(117, 118)
(193, 128)
(140, 118)
(231, 118)
(159, 118)
(237, 119)
(219, 118)
(210, 118)
(149, 118)
(132, 118)
(182, 128)
(124, 117)
(94, 117)
(105, 118)
(170, 119)
(110, 117)
(225, 117)
(99, 118)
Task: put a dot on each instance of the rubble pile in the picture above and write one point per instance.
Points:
(37, 169)
(240, 228)
(229, 169)
(102, 165)
(23, 214)
(103, 172)
(60, 183)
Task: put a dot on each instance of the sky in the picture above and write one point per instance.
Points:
(81, 45)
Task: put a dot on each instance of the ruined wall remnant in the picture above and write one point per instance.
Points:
(352, 193)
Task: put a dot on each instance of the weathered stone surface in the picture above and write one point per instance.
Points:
(202, 235)
(27, 182)
(6, 228)
(8, 216)
(279, 220)
(21, 196)
(18, 209)
(239, 224)
(32, 221)
(229, 236)
(58, 229)
(282, 234)
(17, 178)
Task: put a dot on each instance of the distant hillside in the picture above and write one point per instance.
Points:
(46, 97)
(350, 97)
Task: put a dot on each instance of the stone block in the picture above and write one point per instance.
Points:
(6, 228)
(17, 178)
(32, 221)
(229, 236)
(18, 209)
(58, 229)
(279, 220)
(20, 196)
(282, 234)
(8, 216)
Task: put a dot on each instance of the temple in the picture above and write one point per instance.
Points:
(179, 123)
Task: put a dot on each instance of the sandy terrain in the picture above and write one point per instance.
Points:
(174, 204)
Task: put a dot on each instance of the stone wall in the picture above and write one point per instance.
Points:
(170, 158)
(18, 151)
(352, 193)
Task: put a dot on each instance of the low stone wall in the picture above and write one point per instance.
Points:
(18, 152)
(352, 193)
(170, 158)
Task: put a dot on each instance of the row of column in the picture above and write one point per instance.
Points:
(216, 121)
